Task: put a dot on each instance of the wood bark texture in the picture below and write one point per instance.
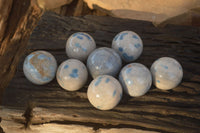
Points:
(17, 20)
(176, 110)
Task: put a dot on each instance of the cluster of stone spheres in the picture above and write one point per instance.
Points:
(104, 64)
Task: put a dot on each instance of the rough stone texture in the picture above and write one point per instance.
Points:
(155, 11)
(52, 4)
(180, 12)
(78, 8)
(175, 110)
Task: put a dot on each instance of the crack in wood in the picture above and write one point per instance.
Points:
(28, 114)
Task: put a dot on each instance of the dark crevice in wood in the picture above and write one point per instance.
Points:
(16, 14)
(1, 129)
(193, 89)
(137, 104)
(163, 116)
(28, 114)
(9, 9)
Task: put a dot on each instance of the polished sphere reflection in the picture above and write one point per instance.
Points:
(136, 79)
(128, 45)
(167, 73)
(80, 45)
(104, 92)
(72, 75)
(104, 61)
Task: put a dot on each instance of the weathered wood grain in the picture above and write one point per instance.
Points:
(17, 21)
(176, 110)
(54, 127)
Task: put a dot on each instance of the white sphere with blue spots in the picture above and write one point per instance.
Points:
(104, 61)
(128, 45)
(72, 75)
(40, 67)
(167, 73)
(104, 92)
(80, 45)
(136, 79)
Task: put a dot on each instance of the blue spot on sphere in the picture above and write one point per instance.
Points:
(80, 37)
(158, 81)
(46, 79)
(85, 35)
(116, 37)
(122, 36)
(114, 93)
(127, 57)
(128, 70)
(166, 67)
(88, 37)
(137, 45)
(135, 37)
(98, 81)
(75, 34)
(75, 70)
(79, 46)
(84, 49)
(107, 80)
(66, 66)
(120, 49)
(74, 73)
(41, 56)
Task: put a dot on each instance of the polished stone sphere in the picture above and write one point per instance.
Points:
(72, 75)
(104, 61)
(40, 67)
(80, 45)
(104, 92)
(136, 79)
(128, 45)
(167, 73)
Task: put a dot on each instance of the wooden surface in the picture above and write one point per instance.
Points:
(18, 18)
(176, 110)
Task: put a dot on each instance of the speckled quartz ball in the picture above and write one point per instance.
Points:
(128, 44)
(104, 92)
(167, 73)
(80, 45)
(72, 75)
(104, 61)
(136, 79)
(40, 67)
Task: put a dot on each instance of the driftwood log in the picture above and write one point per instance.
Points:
(17, 20)
(49, 108)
